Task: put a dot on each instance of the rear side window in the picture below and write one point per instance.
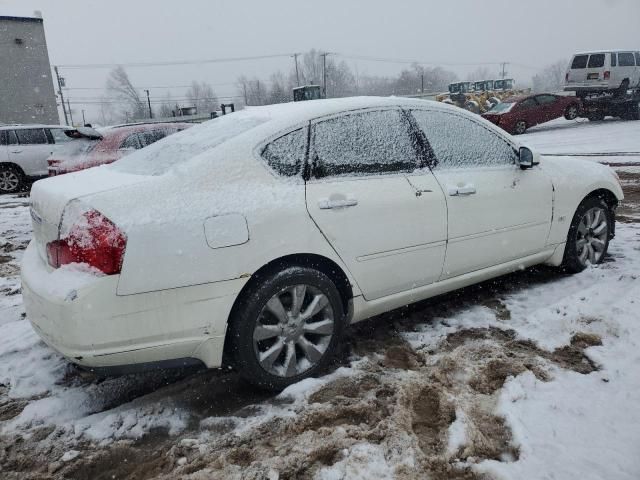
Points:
(614, 59)
(458, 142)
(147, 138)
(596, 60)
(626, 59)
(286, 154)
(366, 143)
(131, 142)
(59, 135)
(31, 136)
(579, 61)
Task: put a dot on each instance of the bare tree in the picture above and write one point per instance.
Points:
(202, 96)
(121, 90)
(480, 73)
(253, 91)
(551, 79)
(279, 91)
(166, 108)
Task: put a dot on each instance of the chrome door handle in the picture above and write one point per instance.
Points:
(325, 203)
(462, 191)
(16, 151)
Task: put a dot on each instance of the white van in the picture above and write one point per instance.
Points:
(600, 71)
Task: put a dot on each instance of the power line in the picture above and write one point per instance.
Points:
(172, 63)
(409, 61)
(152, 87)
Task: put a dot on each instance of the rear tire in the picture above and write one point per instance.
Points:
(588, 237)
(275, 338)
(11, 179)
(520, 127)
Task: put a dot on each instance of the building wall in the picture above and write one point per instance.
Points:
(26, 85)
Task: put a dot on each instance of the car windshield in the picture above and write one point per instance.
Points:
(176, 149)
(501, 107)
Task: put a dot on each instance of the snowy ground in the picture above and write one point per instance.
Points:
(532, 376)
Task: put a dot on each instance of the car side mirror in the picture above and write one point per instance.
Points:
(527, 158)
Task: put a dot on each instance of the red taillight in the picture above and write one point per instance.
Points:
(607, 74)
(94, 240)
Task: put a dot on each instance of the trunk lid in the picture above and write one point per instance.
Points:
(49, 198)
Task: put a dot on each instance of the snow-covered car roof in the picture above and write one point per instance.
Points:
(611, 50)
(250, 127)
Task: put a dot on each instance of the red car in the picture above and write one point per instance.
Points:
(516, 114)
(93, 147)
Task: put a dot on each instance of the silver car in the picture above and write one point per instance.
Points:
(24, 150)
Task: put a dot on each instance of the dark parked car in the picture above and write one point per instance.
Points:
(93, 147)
(516, 114)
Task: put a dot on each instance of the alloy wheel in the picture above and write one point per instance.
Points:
(572, 112)
(293, 331)
(521, 126)
(9, 181)
(592, 236)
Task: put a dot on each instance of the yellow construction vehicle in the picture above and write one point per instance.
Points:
(480, 96)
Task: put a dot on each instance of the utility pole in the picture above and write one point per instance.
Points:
(295, 59)
(244, 87)
(504, 72)
(149, 103)
(324, 73)
(70, 114)
(84, 122)
(422, 82)
(60, 81)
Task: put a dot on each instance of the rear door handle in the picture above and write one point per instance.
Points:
(16, 151)
(462, 191)
(326, 203)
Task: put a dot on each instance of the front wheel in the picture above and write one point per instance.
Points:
(11, 179)
(588, 238)
(571, 112)
(287, 328)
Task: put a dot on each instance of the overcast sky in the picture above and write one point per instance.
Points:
(528, 33)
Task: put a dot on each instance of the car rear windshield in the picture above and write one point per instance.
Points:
(176, 149)
(596, 61)
(579, 61)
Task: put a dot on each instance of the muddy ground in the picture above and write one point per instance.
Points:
(399, 398)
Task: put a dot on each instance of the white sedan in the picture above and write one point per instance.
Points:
(264, 233)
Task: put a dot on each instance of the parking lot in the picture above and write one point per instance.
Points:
(455, 386)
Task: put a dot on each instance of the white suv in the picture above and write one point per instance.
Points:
(24, 150)
(594, 72)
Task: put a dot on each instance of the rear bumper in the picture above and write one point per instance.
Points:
(588, 87)
(93, 327)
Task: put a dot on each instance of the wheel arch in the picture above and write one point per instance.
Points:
(311, 260)
(13, 165)
(610, 199)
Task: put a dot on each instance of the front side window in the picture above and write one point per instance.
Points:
(147, 138)
(286, 154)
(458, 142)
(31, 136)
(527, 104)
(614, 58)
(597, 60)
(626, 59)
(579, 61)
(637, 55)
(545, 99)
(364, 143)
